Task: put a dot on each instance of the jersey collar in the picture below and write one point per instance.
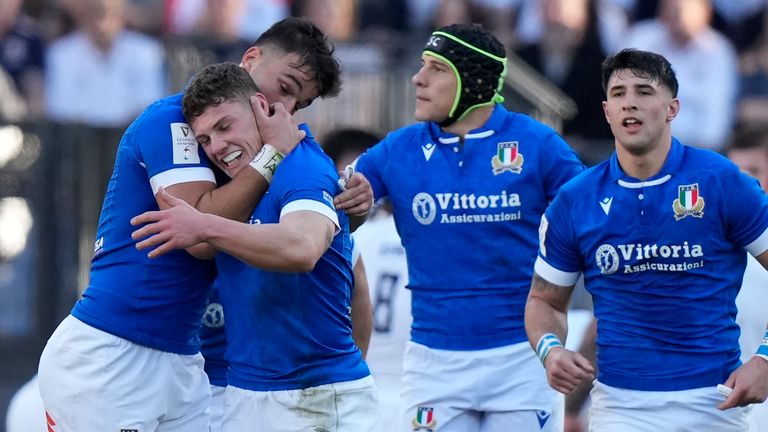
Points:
(495, 122)
(670, 167)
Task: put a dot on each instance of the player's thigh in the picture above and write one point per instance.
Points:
(354, 398)
(188, 393)
(621, 410)
(390, 398)
(217, 407)
(431, 397)
(91, 381)
(279, 411)
(523, 421)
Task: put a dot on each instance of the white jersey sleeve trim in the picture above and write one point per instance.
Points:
(760, 244)
(313, 206)
(553, 275)
(181, 175)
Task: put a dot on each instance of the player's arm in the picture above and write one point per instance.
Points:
(356, 197)
(749, 383)
(362, 311)
(546, 327)
(237, 199)
(295, 244)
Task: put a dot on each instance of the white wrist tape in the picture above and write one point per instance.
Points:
(545, 345)
(266, 161)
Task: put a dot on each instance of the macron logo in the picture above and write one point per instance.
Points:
(428, 149)
(543, 416)
(606, 204)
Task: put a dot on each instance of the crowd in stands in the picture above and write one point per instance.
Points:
(100, 62)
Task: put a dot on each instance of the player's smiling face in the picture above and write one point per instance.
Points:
(278, 79)
(436, 87)
(639, 111)
(228, 134)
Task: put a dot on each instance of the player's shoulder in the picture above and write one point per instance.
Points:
(704, 159)
(307, 159)
(162, 112)
(411, 133)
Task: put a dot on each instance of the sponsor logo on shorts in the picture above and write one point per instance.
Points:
(425, 419)
(542, 416)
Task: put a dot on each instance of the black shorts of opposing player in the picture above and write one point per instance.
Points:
(477, 59)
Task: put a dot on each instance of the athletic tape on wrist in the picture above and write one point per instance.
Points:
(762, 350)
(266, 161)
(545, 345)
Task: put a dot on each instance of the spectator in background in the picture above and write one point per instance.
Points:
(705, 64)
(12, 106)
(182, 16)
(753, 94)
(741, 21)
(336, 18)
(569, 52)
(22, 54)
(102, 74)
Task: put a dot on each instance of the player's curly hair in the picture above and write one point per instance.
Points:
(300, 36)
(644, 64)
(214, 85)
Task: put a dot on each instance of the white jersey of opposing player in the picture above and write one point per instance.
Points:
(752, 320)
(387, 271)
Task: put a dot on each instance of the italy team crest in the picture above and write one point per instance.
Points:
(689, 202)
(507, 158)
(424, 420)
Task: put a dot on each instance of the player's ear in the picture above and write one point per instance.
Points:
(262, 100)
(251, 57)
(674, 108)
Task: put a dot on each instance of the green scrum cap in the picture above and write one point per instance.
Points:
(477, 59)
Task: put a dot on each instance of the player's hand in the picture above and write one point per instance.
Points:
(177, 227)
(278, 128)
(357, 196)
(749, 383)
(566, 369)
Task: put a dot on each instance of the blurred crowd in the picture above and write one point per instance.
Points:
(100, 62)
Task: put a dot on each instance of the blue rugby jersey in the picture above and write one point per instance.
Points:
(663, 260)
(288, 331)
(468, 215)
(214, 338)
(152, 302)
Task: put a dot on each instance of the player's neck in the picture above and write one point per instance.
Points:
(644, 163)
(474, 119)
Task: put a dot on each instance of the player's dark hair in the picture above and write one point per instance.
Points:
(643, 64)
(214, 85)
(300, 36)
(339, 141)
